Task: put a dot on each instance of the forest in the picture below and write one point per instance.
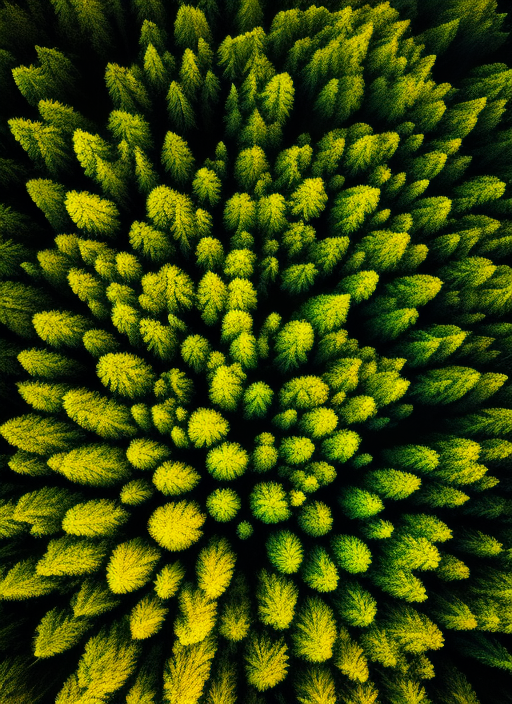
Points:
(255, 352)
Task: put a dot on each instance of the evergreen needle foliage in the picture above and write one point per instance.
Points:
(255, 352)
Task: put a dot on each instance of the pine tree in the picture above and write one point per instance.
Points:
(106, 663)
(215, 568)
(26, 463)
(91, 213)
(156, 71)
(341, 446)
(407, 690)
(257, 400)
(438, 39)
(303, 393)
(445, 385)
(494, 422)
(147, 617)
(268, 502)
(477, 191)
(33, 83)
(93, 518)
(404, 551)
(266, 661)
(290, 165)
(196, 617)
(383, 249)
(314, 631)
(177, 157)
(180, 110)
(385, 387)
(175, 478)
(250, 165)
(350, 659)
(92, 465)
(44, 144)
(60, 328)
(315, 518)
(340, 98)
(285, 551)
(355, 605)
(298, 278)
(176, 525)
(190, 75)
(352, 206)
(57, 632)
(126, 90)
(369, 151)
(296, 450)
(212, 295)
(433, 344)
(125, 374)
(39, 434)
(327, 253)
(71, 556)
(206, 426)
(357, 409)
(457, 688)
(359, 503)
(48, 365)
(276, 596)
(413, 631)
(43, 509)
(249, 15)
(168, 580)
(49, 197)
(226, 386)
(89, 148)
(319, 571)
(187, 670)
(379, 647)
(271, 214)
(131, 565)
(18, 303)
(223, 504)
(23, 582)
(318, 422)
(190, 25)
(206, 187)
(351, 553)
(223, 686)
(209, 253)
(277, 98)
(62, 116)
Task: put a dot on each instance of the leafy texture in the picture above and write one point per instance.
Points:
(255, 352)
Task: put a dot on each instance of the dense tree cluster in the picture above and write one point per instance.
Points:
(255, 352)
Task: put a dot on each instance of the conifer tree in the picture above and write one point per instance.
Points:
(319, 571)
(95, 465)
(71, 556)
(49, 197)
(352, 206)
(44, 144)
(188, 670)
(314, 631)
(293, 342)
(266, 661)
(277, 596)
(91, 213)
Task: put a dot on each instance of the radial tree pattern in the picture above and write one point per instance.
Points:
(255, 352)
